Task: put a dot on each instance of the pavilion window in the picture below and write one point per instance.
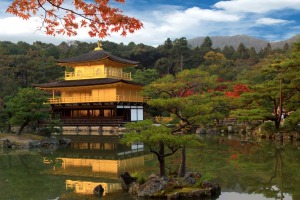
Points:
(107, 113)
(96, 113)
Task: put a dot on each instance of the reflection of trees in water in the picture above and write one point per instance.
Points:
(23, 177)
(285, 175)
(269, 188)
(267, 169)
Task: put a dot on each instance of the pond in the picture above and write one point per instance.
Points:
(248, 171)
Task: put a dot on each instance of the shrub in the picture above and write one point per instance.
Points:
(268, 128)
(140, 176)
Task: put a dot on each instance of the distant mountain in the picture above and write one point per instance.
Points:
(258, 44)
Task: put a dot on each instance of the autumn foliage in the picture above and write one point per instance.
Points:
(66, 17)
(237, 90)
(187, 93)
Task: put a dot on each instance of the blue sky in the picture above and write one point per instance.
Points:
(272, 20)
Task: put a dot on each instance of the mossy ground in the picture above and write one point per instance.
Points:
(20, 139)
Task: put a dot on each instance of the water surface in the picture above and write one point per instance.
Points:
(247, 171)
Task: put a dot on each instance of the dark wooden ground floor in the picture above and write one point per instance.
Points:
(97, 114)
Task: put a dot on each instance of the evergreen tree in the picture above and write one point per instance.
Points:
(242, 52)
(229, 52)
(185, 99)
(206, 46)
(27, 106)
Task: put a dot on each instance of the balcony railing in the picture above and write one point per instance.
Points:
(93, 121)
(88, 75)
(92, 99)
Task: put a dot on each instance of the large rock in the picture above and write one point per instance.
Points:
(98, 191)
(126, 180)
(134, 189)
(191, 178)
(34, 144)
(7, 144)
(154, 185)
(64, 142)
(50, 143)
(172, 189)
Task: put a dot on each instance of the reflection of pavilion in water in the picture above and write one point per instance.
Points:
(92, 163)
(88, 187)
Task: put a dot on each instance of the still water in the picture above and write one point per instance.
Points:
(247, 171)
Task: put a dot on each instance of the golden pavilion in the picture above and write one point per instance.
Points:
(97, 93)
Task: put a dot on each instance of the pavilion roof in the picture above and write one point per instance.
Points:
(84, 82)
(96, 55)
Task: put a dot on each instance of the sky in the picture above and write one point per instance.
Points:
(271, 20)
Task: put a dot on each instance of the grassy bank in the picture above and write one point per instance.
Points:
(20, 139)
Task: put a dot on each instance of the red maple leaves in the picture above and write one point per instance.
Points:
(237, 90)
(60, 17)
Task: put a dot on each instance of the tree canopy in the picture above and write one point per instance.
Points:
(159, 140)
(57, 17)
(274, 86)
(27, 106)
(23, 64)
(185, 97)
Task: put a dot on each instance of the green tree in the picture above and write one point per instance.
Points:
(180, 54)
(27, 106)
(184, 97)
(266, 51)
(229, 52)
(217, 64)
(286, 47)
(242, 52)
(206, 46)
(159, 139)
(253, 57)
(163, 65)
(146, 55)
(146, 76)
(175, 56)
(275, 88)
(164, 49)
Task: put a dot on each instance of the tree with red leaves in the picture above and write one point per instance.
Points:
(274, 91)
(237, 90)
(63, 17)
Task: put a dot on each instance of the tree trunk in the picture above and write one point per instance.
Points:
(277, 122)
(8, 128)
(182, 167)
(161, 159)
(162, 166)
(279, 109)
(22, 127)
(8, 123)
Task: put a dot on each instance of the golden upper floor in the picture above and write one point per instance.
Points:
(94, 90)
(97, 71)
(96, 64)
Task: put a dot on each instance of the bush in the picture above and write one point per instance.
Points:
(140, 177)
(268, 128)
(292, 122)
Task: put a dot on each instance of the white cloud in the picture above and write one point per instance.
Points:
(173, 22)
(271, 21)
(196, 15)
(168, 21)
(15, 25)
(257, 6)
